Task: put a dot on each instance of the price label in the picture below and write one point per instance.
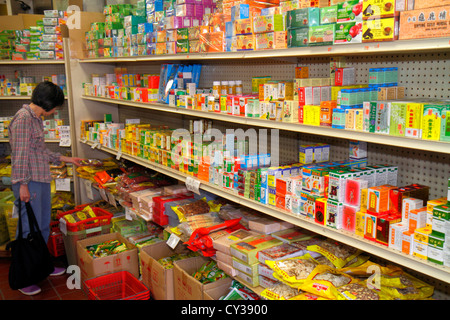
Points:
(119, 155)
(173, 240)
(112, 200)
(193, 185)
(88, 188)
(62, 184)
(103, 195)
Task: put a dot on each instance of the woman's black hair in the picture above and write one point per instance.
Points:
(47, 95)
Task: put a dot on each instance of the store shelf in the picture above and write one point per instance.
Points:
(400, 46)
(18, 97)
(431, 269)
(46, 140)
(418, 144)
(14, 62)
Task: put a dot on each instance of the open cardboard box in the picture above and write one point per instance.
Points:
(159, 280)
(186, 286)
(92, 267)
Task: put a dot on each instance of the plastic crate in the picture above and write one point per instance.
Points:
(70, 240)
(55, 242)
(103, 217)
(116, 286)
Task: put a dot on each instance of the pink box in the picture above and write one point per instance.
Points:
(198, 10)
(353, 191)
(349, 217)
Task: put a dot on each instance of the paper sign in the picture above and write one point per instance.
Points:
(173, 241)
(193, 185)
(62, 184)
(88, 188)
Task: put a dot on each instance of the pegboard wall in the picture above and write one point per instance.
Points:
(424, 75)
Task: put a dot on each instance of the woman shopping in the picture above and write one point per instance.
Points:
(30, 161)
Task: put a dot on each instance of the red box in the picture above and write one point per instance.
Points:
(383, 226)
(280, 202)
(370, 224)
(281, 187)
(349, 218)
(159, 215)
(320, 211)
(397, 195)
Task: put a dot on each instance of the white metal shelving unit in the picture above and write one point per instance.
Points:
(423, 67)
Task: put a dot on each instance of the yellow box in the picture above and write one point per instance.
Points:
(290, 111)
(413, 123)
(420, 242)
(311, 115)
(360, 222)
(245, 42)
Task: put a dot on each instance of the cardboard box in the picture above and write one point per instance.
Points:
(215, 293)
(124, 261)
(158, 279)
(407, 242)
(441, 218)
(186, 287)
(425, 23)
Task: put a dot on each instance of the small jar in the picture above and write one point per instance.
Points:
(239, 89)
(224, 87)
(217, 88)
(232, 87)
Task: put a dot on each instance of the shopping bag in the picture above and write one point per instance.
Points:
(31, 261)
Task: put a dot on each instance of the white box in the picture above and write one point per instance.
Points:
(418, 218)
(408, 205)
(396, 235)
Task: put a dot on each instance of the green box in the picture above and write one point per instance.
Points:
(445, 124)
(441, 217)
(183, 34)
(348, 32)
(328, 15)
(398, 119)
(369, 115)
(298, 37)
(183, 46)
(435, 249)
(321, 35)
(305, 17)
(349, 11)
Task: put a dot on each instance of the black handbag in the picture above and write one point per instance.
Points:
(31, 261)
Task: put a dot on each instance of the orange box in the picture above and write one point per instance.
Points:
(378, 198)
(301, 72)
(417, 218)
(245, 42)
(326, 112)
(212, 42)
(243, 26)
(407, 241)
(425, 23)
(422, 4)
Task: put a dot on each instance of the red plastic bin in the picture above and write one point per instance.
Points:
(120, 285)
(55, 242)
(102, 218)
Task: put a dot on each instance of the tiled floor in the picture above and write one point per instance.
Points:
(53, 288)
